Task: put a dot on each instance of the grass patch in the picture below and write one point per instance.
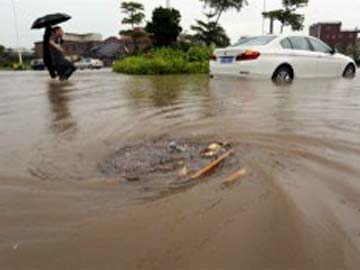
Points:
(166, 61)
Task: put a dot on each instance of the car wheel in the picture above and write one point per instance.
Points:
(349, 72)
(283, 74)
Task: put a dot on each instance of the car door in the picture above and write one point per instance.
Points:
(304, 59)
(328, 64)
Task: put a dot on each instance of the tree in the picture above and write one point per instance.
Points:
(165, 26)
(286, 18)
(135, 16)
(356, 53)
(210, 32)
(340, 48)
(287, 15)
(221, 6)
(352, 50)
(135, 13)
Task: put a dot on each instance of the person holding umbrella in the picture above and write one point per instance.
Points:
(53, 53)
(64, 68)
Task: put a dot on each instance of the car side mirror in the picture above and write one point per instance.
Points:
(333, 51)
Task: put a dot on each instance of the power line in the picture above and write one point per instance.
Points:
(16, 30)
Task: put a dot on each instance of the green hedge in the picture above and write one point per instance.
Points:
(14, 66)
(166, 61)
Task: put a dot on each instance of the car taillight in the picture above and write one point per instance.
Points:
(248, 55)
(213, 57)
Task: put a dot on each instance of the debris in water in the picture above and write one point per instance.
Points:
(212, 165)
(234, 177)
(183, 172)
(164, 160)
(154, 159)
(174, 147)
(212, 150)
(16, 246)
(215, 149)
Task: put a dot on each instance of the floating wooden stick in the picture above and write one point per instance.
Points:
(212, 165)
(235, 176)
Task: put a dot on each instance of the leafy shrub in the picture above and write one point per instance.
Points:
(199, 54)
(166, 61)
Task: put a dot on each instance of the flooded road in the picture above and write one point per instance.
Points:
(298, 206)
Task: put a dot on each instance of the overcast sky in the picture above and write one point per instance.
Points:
(104, 16)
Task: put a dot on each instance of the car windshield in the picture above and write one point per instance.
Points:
(254, 41)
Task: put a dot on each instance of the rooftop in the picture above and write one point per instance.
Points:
(328, 22)
(83, 37)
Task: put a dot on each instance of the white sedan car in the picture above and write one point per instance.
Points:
(281, 58)
(89, 63)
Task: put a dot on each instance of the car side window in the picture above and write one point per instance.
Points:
(300, 43)
(319, 46)
(286, 44)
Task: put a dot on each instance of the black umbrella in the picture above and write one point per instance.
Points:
(49, 20)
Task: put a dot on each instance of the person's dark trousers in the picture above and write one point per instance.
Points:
(64, 68)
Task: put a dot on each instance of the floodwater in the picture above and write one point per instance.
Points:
(298, 206)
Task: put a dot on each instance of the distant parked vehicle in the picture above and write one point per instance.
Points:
(281, 58)
(89, 63)
(37, 64)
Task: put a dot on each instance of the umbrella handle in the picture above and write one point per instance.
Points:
(48, 31)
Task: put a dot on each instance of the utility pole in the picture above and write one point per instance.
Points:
(263, 21)
(271, 25)
(167, 3)
(17, 32)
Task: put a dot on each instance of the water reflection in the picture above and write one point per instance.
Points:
(163, 91)
(61, 120)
